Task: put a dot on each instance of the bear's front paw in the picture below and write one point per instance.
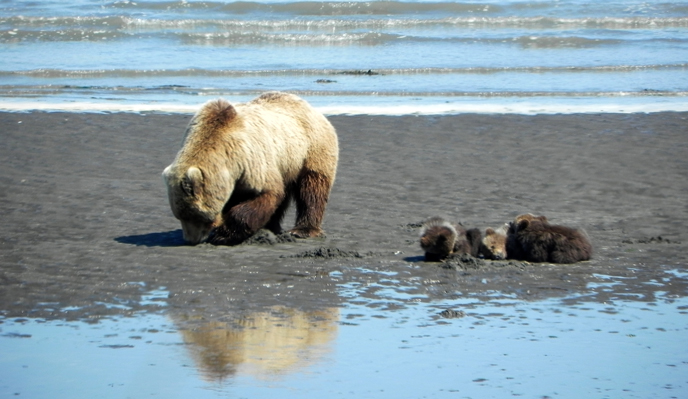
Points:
(221, 236)
(305, 232)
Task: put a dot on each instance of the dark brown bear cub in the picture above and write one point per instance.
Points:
(533, 239)
(439, 239)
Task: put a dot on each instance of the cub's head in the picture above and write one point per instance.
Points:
(493, 245)
(521, 222)
(193, 201)
(437, 236)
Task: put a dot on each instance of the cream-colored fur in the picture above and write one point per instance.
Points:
(493, 245)
(260, 147)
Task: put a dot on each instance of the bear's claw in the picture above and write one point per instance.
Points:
(307, 232)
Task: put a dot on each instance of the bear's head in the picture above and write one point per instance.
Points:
(198, 181)
(196, 199)
(437, 237)
(493, 245)
(521, 222)
(438, 240)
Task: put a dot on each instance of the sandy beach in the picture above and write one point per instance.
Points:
(472, 111)
(86, 220)
(91, 260)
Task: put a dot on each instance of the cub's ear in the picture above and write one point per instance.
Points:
(523, 224)
(489, 231)
(192, 181)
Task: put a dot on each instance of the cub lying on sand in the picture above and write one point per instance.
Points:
(533, 239)
(493, 244)
(240, 166)
(439, 239)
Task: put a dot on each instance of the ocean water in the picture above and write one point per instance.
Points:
(524, 56)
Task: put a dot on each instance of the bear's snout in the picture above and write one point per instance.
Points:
(194, 233)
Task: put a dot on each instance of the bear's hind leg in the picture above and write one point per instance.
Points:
(311, 194)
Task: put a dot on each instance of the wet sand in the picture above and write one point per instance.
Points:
(88, 237)
(86, 220)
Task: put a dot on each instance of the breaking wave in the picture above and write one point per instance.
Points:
(192, 72)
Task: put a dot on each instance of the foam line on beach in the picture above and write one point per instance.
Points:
(521, 108)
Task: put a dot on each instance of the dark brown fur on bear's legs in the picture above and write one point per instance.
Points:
(245, 218)
(311, 194)
(246, 213)
(275, 223)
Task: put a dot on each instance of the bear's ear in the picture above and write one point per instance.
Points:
(166, 173)
(228, 113)
(221, 112)
(523, 224)
(489, 231)
(191, 182)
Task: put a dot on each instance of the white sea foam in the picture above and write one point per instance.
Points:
(522, 109)
(363, 106)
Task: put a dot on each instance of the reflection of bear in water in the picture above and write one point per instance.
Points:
(278, 341)
(240, 166)
(532, 238)
(439, 239)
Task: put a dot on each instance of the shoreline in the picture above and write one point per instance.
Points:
(381, 105)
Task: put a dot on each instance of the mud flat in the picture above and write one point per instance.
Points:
(88, 237)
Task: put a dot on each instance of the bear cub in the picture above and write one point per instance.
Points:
(440, 239)
(532, 238)
(493, 244)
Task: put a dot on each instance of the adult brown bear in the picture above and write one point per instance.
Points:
(240, 166)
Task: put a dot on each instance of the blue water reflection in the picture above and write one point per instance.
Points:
(368, 348)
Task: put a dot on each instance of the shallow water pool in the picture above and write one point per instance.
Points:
(367, 348)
